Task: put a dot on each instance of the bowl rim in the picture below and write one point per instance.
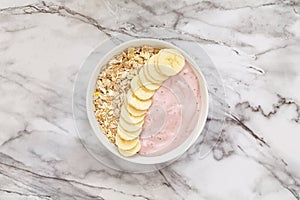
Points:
(189, 141)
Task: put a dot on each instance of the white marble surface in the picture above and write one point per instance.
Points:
(254, 44)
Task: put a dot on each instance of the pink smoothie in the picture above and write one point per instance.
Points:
(173, 114)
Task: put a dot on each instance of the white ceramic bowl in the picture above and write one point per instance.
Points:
(173, 154)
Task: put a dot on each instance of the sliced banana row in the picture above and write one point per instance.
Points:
(168, 62)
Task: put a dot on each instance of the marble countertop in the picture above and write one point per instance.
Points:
(254, 44)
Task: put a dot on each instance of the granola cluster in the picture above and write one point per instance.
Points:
(114, 82)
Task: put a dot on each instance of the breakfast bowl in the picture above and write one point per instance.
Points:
(157, 141)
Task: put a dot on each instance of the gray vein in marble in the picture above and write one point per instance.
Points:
(181, 14)
(14, 30)
(51, 8)
(204, 5)
(257, 55)
(147, 8)
(208, 5)
(71, 182)
(282, 101)
(23, 86)
(272, 169)
(28, 79)
(51, 121)
(51, 162)
(168, 184)
(20, 134)
(26, 194)
(177, 183)
(221, 151)
(24, 82)
(240, 123)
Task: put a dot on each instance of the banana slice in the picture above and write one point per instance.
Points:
(146, 82)
(171, 50)
(130, 118)
(153, 70)
(170, 62)
(128, 135)
(134, 111)
(138, 103)
(131, 152)
(149, 77)
(139, 90)
(126, 144)
(130, 127)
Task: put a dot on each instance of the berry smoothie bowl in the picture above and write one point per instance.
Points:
(147, 101)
